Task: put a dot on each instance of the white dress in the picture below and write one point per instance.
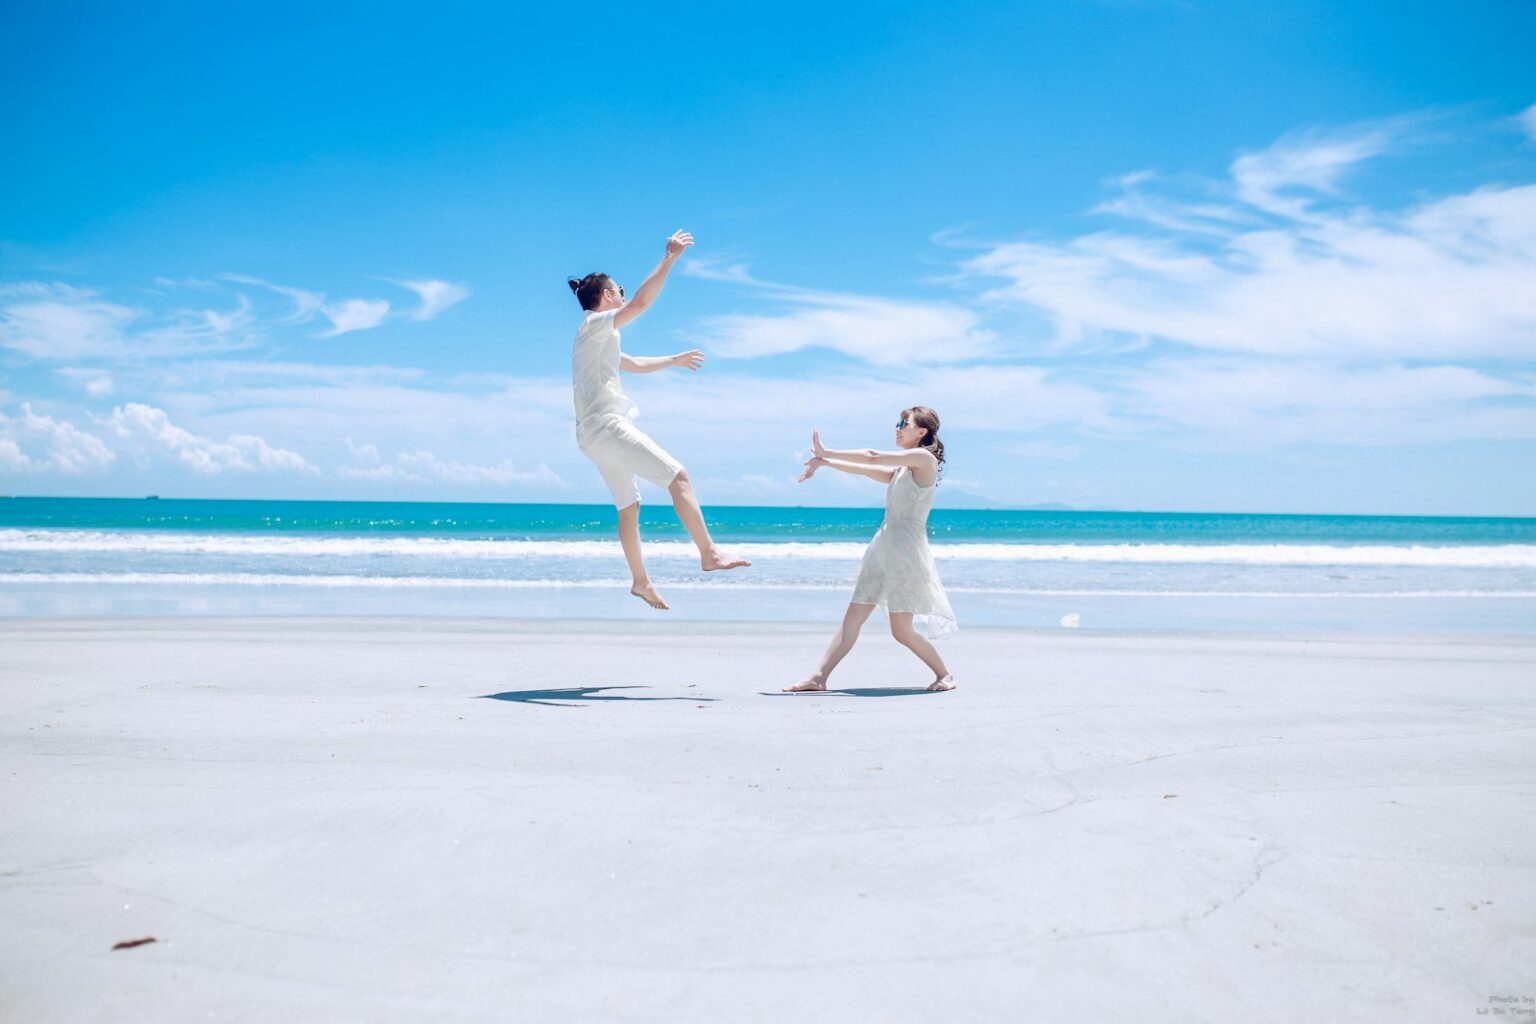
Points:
(605, 428)
(898, 571)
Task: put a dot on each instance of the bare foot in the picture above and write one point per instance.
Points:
(939, 685)
(647, 593)
(715, 560)
(811, 685)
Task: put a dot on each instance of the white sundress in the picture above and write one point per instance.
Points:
(898, 571)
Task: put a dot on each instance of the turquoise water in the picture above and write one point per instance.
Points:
(533, 521)
(1115, 569)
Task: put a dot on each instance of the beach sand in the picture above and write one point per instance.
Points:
(381, 820)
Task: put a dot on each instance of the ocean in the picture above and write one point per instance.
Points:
(1033, 569)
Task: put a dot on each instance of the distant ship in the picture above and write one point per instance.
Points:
(151, 497)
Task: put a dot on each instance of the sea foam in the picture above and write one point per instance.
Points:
(1502, 556)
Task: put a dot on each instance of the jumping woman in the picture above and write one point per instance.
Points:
(605, 429)
(898, 571)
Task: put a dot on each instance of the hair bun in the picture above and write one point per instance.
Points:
(575, 284)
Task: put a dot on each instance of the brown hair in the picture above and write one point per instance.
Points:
(929, 421)
(589, 289)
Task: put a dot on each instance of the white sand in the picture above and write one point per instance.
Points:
(323, 821)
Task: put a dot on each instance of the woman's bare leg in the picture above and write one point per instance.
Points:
(687, 506)
(629, 539)
(842, 642)
(912, 640)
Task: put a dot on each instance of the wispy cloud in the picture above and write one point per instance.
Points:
(427, 464)
(345, 315)
(58, 321)
(1043, 450)
(1527, 119)
(305, 303)
(1272, 269)
(63, 322)
(421, 465)
(435, 296)
(348, 315)
(882, 331)
(353, 315)
(1248, 405)
(222, 373)
(1281, 178)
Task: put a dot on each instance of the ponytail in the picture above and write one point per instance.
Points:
(929, 421)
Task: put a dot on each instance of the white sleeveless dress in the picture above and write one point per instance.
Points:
(898, 571)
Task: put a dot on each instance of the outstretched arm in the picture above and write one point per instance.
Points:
(873, 472)
(650, 364)
(651, 286)
(912, 458)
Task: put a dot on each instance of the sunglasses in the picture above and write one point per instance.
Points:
(901, 424)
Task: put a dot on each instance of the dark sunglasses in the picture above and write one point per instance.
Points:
(901, 424)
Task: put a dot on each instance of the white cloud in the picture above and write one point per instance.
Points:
(1043, 450)
(1247, 404)
(435, 296)
(95, 383)
(62, 322)
(1527, 119)
(209, 374)
(67, 448)
(305, 303)
(345, 316)
(58, 321)
(1273, 273)
(367, 454)
(386, 472)
(423, 465)
(242, 453)
(1307, 162)
(882, 331)
(11, 457)
(353, 315)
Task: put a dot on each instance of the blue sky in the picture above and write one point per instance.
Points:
(1245, 257)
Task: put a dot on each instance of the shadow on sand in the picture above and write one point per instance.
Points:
(861, 691)
(576, 696)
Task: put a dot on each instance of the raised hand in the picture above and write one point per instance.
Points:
(689, 360)
(816, 446)
(679, 241)
(811, 466)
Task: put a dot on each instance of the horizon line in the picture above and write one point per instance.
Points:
(1042, 507)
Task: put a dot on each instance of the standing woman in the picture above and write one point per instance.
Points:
(605, 427)
(898, 571)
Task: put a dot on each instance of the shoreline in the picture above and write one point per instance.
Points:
(640, 627)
